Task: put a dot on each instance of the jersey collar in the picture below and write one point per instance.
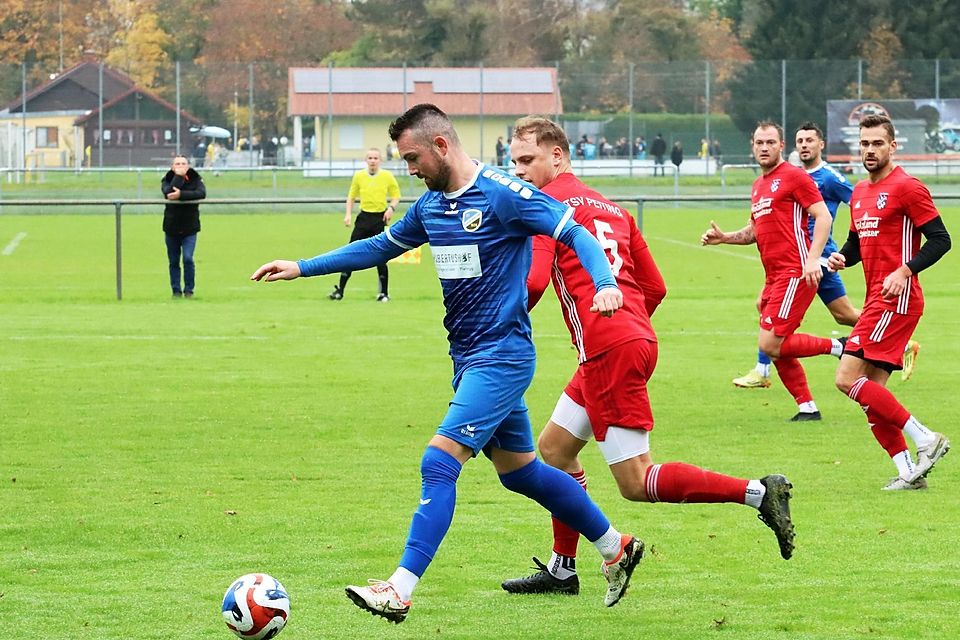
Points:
(459, 192)
(817, 168)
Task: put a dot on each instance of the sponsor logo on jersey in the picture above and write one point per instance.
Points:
(855, 339)
(857, 206)
(761, 207)
(775, 185)
(867, 226)
(882, 200)
(471, 219)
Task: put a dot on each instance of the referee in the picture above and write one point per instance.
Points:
(373, 186)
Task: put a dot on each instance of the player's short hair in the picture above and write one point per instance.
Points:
(810, 125)
(543, 130)
(424, 121)
(180, 155)
(377, 149)
(877, 120)
(763, 124)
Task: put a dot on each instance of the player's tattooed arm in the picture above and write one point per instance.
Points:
(742, 236)
(716, 235)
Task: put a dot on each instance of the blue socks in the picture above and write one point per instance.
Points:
(763, 358)
(438, 496)
(561, 495)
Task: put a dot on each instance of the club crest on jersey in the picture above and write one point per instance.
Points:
(882, 200)
(775, 185)
(471, 219)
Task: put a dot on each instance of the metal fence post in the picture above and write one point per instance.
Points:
(640, 215)
(118, 205)
(676, 182)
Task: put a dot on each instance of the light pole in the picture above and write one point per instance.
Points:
(236, 108)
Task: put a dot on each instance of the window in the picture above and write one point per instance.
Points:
(47, 137)
(351, 136)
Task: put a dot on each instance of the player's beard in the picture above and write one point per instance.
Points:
(880, 164)
(441, 181)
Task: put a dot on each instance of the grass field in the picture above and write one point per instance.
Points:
(151, 450)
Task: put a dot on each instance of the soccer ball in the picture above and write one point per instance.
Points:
(256, 606)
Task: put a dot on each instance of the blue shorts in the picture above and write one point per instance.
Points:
(831, 286)
(487, 409)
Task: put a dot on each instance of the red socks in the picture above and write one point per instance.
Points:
(792, 376)
(802, 345)
(885, 414)
(681, 482)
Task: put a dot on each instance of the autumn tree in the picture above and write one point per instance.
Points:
(139, 47)
(272, 37)
(32, 32)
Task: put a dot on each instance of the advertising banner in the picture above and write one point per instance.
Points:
(927, 129)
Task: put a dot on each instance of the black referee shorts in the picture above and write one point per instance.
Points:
(368, 224)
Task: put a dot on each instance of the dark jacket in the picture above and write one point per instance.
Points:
(659, 147)
(676, 156)
(182, 219)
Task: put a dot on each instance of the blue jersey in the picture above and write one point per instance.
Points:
(480, 240)
(835, 188)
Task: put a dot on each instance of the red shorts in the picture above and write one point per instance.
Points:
(783, 303)
(612, 387)
(881, 335)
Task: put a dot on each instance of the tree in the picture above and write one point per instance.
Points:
(814, 73)
(273, 37)
(141, 48)
(885, 77)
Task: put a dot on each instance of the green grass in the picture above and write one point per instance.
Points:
(152, 450)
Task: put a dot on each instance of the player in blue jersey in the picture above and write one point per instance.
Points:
(478, 221)
(835, 188)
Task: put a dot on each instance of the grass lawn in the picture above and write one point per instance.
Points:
(152, 450)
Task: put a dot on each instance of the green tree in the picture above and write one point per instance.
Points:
(820, 44)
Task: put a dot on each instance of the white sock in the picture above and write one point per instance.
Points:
(918, 433)
(763, 369)
(904, 463)
(561, 567)
(754, 494)
(836, 347)
(609, 544)
(404, 581)
(807, 407)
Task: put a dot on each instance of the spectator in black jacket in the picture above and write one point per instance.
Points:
(658, 149)
(676, 155)
(181, 222)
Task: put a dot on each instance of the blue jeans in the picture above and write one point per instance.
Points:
(186, 245)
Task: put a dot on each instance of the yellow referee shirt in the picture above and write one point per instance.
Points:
(373, 190)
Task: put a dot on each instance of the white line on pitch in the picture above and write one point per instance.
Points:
(10, 248)
(691, 245)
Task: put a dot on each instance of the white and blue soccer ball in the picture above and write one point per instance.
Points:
(256, 606)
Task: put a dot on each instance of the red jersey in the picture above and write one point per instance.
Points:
(633, 267)
(886, 216)
(779, 216)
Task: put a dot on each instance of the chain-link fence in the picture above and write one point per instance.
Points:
(92, 115)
